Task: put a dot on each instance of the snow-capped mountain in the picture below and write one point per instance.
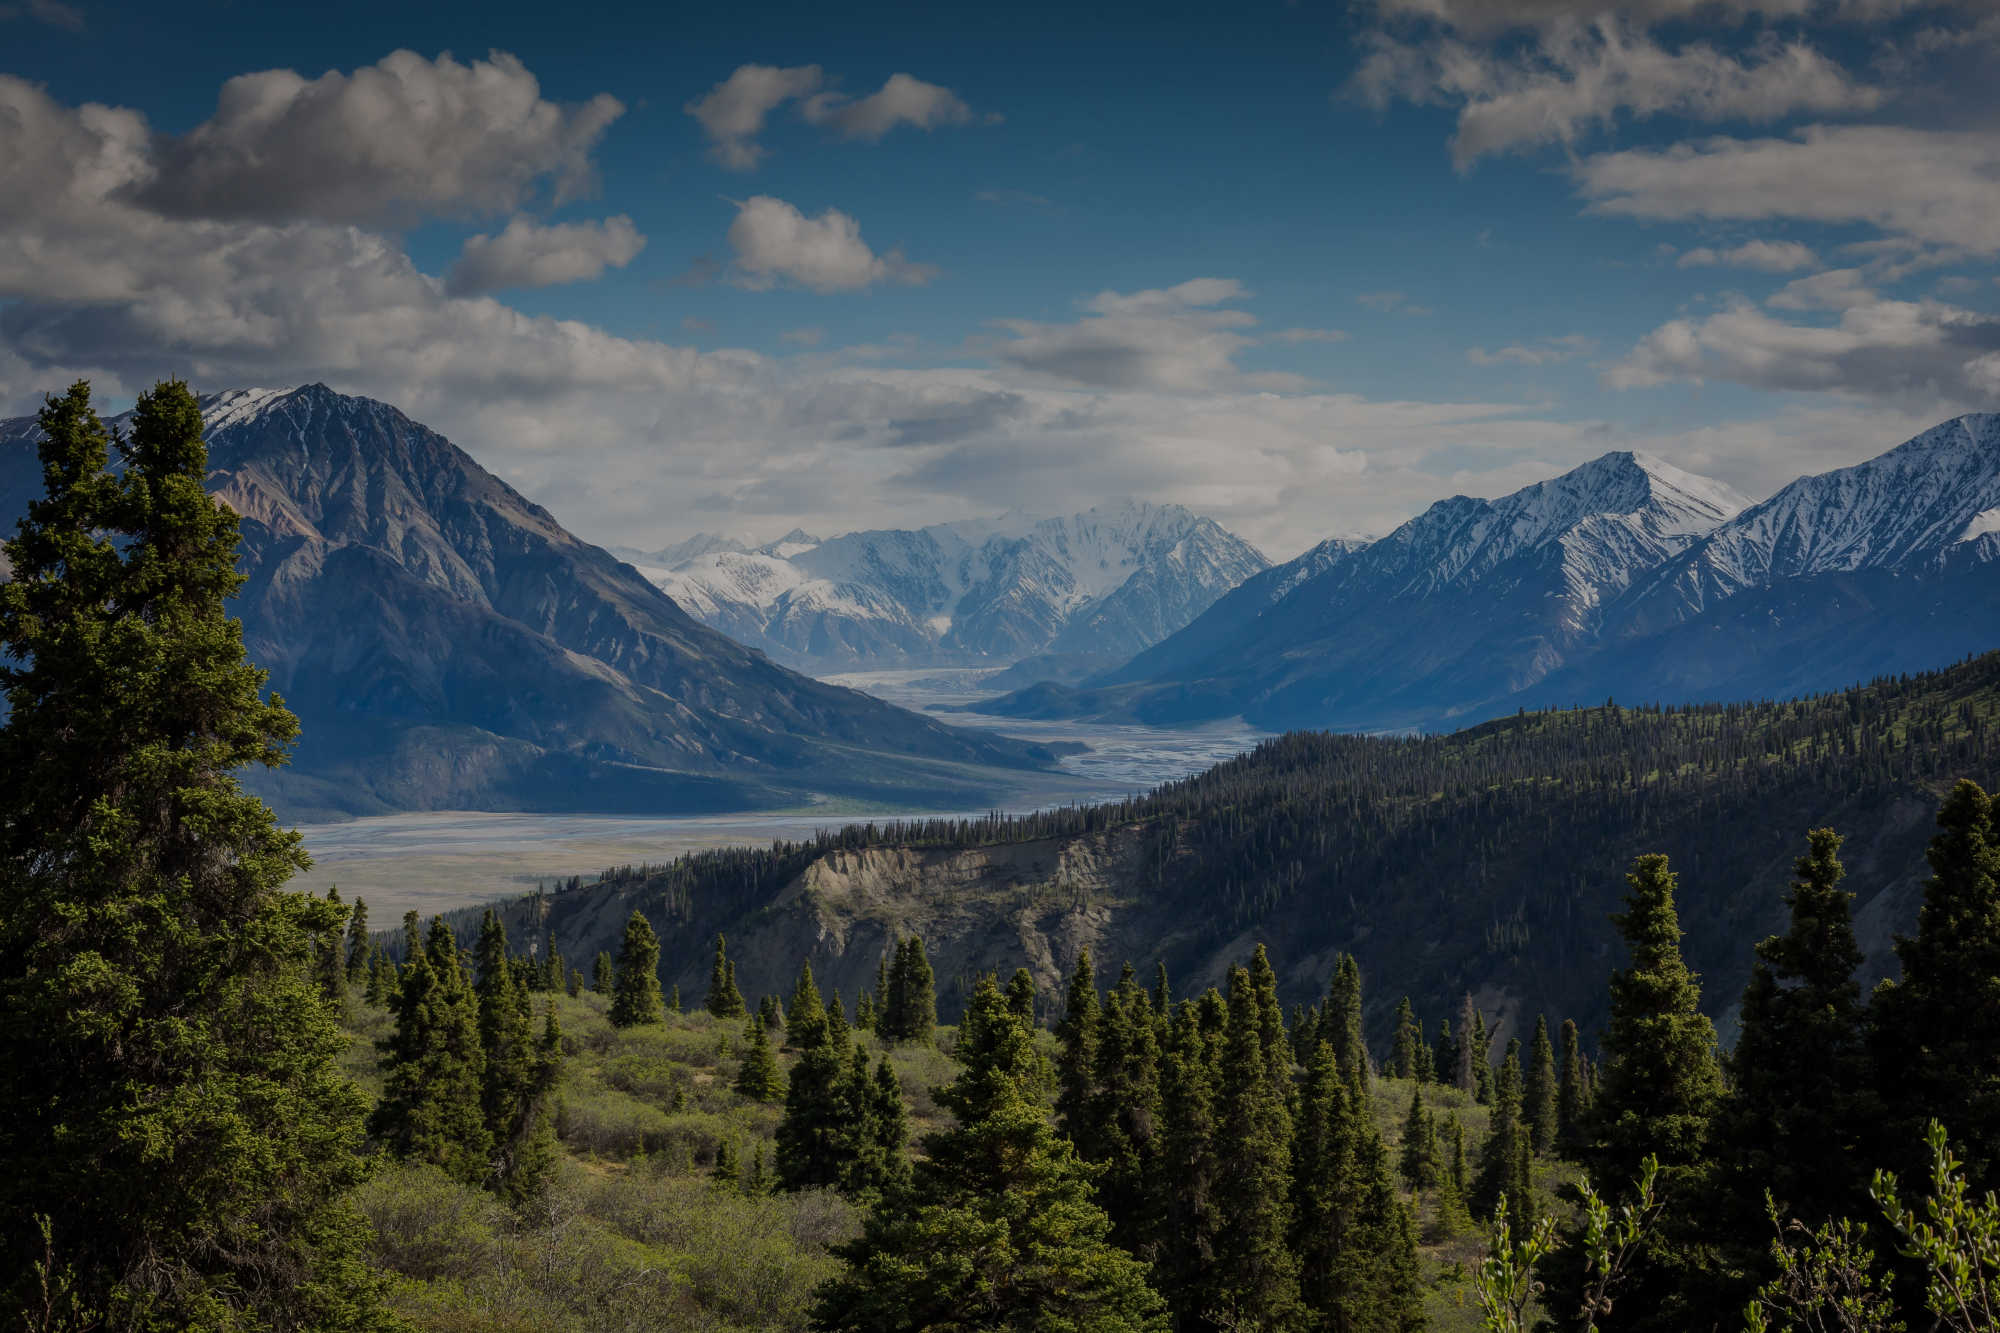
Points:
(1109, 581)
(1469, 602)
(447, 644)
(1625, 578)
(1927, 506)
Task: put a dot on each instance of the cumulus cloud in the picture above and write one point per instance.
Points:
(1765, 256)
(734, 112)
(1898, 351)
(1835, 289)
(1391, 303)
(401, 139)
(1542, 352)
(1935, 187)
(1578, 76)
(902, 101)
(530, 254)
(1170, 338)
(774, 242)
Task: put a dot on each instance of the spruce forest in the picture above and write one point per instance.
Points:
(231, 1106)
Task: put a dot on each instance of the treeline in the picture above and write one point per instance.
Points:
(1449, 862)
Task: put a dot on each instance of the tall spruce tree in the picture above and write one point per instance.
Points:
(1506, 1161)
(1076, 1055)
(1021, 995)
(173, 1106)
(1795, 1118)
(358, 945)
(758, 1077)
(1539, 1090)
(912, 1009)
(1343, 1012)
(1270, 1019)
(1465, 1052)
(330, 953)
(515, 1078)
(433, 1067)
(601, 974)
(635, 982)
(724, 1000)
(806, 1025)
(1937, 1028)
(1186, 1193)
(998, 1229)
(1409, 1038)
(823, 1127)
(1259, 1285)
(1571, 1099)
(1124, 1112)
(1417, 1157)
(1657, 1094)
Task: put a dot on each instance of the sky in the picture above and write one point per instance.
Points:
(1305, 268)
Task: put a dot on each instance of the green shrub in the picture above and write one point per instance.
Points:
(427, 1225)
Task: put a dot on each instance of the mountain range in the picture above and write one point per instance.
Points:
(447, 644)
(1096, 586)
(1625, 577)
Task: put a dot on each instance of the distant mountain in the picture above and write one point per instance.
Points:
(1104, 583)
(1447, 617)
(447, 644)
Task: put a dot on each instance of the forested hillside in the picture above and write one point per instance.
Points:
(1484, 861)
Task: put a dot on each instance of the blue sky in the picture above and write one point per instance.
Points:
(1305, 268)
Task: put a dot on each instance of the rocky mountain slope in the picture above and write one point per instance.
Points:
(1487, 860)
(447, 644)
(1107, 582)
(1624, 578)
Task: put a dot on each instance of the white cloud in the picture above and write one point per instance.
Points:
(1542, 352)
(775, 242)
(1766, 256)
(1579, 76)
(734, 111)
(1895, 351)
(1835, 289)
(1934, 187)
(1171, 338)
(903, 100)
(530, 254)
(1391, 303)
(1492, 17)
(397, 140)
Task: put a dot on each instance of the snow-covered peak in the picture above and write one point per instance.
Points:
(1904, 510)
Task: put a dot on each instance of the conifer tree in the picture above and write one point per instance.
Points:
(912, 1008)
(600, 974)
(998, 1229)
(358, 946)
(724, 1000)
(864, 1012)
(1937, 1042)
(1452, 1215)
(1124, 1111)
(172, 1104)
(1570, 1090)
(806, 1025)
(1163, 995)
(1186, 1199)
(517, 1077)
(1506, 1169)
(725, 1171)
(759, 1077)
(1021, 995)
(1426, 1069)
(635, 983)
(1076, 1056)
(574, 986)
(1482, 1059)
(1445, 1067)
(330, 952)
(1417, 1158)
(1539, 1092)
(1343, 1013)
(1403, 1055)
(1657, 1093)
(1356, 1253)
(433, 1067)
(1799, 1066)
(890, 1127)
(816, 1138)
(1270, 1020)
(1258, 1276)
(674, 999)
(381, 980)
